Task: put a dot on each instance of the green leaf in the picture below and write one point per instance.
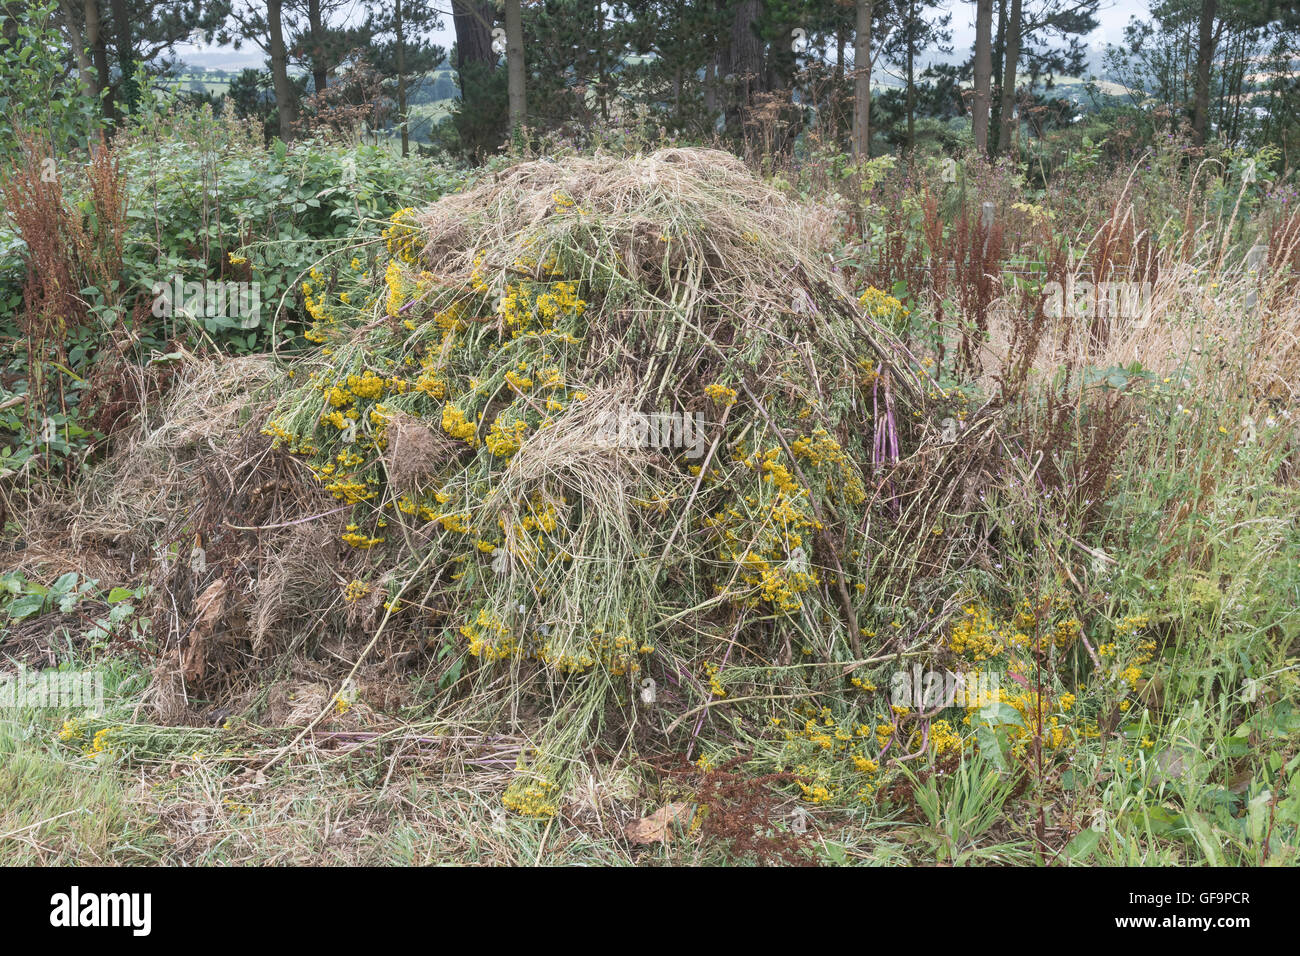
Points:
(1257, 814)
(26, 606)
(835, 853)
(1003, 715)
(120, 613)
(990, 745)
(65, 583)
(1205, 838)
(1164, 821)
(1084, 842)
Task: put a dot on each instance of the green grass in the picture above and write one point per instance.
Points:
(59, 811)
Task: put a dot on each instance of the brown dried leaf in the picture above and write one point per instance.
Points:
(656, 828)
(209, 606)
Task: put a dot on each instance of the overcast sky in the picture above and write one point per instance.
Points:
(1113, 15)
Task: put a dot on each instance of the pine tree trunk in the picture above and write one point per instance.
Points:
(1204, 59)
(983, 74)
(1011, 54)
(473, 23)
(98, 54)
(862, 80)
(319, 69)
(125, 54)
(911, 78)
(401, 76)
(515, 64)
(78, 44)
(602, 70)
(746, 56)
(284, 95)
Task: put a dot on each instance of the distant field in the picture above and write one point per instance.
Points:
(217, 83)
(424, 116)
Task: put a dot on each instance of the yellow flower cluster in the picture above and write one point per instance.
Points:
(816, 792)
(1141, 653)
(518, 381)
(560, 300)
(531, 796)
(370, 385)
(776, 473)
(943, 738)
(820, 449)
(280, 435)
(455, 424)
(477, 280)
(1131, 624)
(715, 685)
(492, 639)
(429, 382)
(525, 309)
(352, 535)
(99, 743)
(773, 561)
(976, 634)
(616, 653)
(489, 637)
(721, 394)
(504, 440)
(395, 279)
(870, 374)
(402, 236)
(353, 492)
(1027, 703)
(781, 588)
(881, 306)
(457, 521)
(831, 756)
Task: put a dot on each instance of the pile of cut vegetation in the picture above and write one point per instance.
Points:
(606, 442)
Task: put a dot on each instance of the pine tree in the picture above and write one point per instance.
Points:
(916, 30)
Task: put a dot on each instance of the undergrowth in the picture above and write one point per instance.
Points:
(439, 550)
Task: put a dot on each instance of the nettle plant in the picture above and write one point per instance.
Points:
(231, 211)
(113, 613)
